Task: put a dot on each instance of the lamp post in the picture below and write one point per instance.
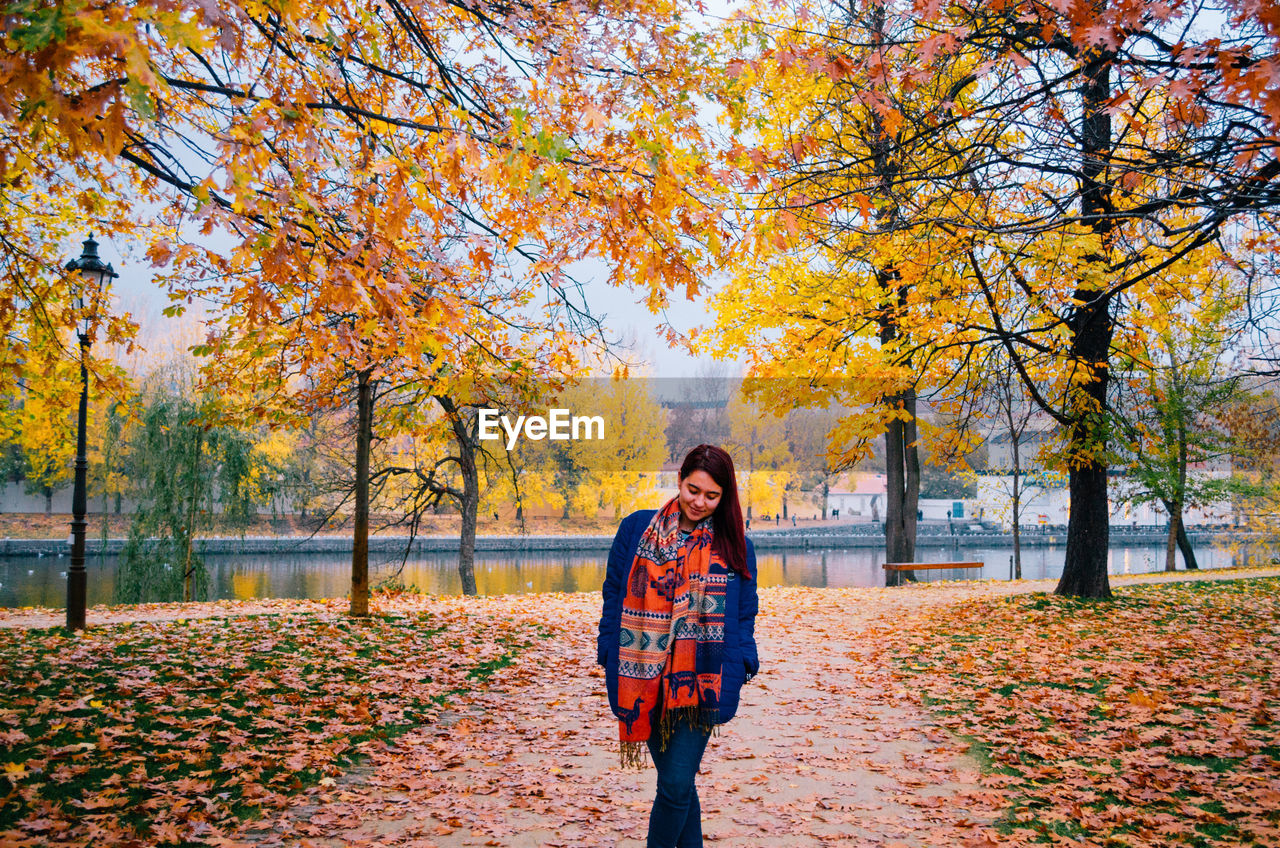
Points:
(95, 276)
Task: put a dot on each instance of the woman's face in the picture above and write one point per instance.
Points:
(699, 497)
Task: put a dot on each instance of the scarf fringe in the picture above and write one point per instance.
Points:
(695, 718)
(632, 754)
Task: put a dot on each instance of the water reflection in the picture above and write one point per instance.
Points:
(41, 581)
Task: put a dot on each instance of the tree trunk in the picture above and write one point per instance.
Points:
(1188, 554)
(470, 505)
(1177, 540)
(465, 436)
(48, 500)
(1017, 491)
(1084, 572)
(360, 542)
(1171, 543)
(467, 541)
(902, 471)
(902, 481)
(1180, 532)
(188, 570)
(1017, 530)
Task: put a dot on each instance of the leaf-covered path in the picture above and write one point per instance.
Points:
(829, 747)
(823, 750)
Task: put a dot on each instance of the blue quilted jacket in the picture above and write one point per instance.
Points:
(741, 661)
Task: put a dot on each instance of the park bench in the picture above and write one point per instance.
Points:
(921, 566)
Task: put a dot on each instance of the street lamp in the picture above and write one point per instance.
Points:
(95, 277)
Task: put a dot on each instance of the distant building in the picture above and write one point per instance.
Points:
(858, 494)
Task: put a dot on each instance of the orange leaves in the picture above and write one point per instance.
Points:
(865, 208)
(434, 167)
(592, 118)
(1134, 718)
(1146, 701)
(839, 67)
(196, 724)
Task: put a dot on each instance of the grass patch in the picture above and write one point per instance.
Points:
(1145, 719)
(166, 732)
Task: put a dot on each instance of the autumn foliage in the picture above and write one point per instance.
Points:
(180, 730)
(942, 186)
(1148, 721)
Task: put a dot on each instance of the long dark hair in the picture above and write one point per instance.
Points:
(726, 521)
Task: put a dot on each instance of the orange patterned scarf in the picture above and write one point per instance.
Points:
(672, 633)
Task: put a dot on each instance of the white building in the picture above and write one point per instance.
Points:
(1045, 500)
(858, 494)
(865, 495)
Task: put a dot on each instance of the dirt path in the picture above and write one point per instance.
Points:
(827, 747)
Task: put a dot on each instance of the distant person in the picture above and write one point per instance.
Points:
(677, 634)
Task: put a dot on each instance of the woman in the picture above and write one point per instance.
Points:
(677, 635)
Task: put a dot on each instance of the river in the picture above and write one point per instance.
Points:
(41, 581)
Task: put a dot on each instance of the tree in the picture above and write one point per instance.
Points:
(1253, 424)
(620, 467)
(1011, 415)
(839, 290)
(758, 442)
(184, 473)
(107, 472)
(52, 189)
(391, 180)
(46, 433)
(1117, 118)
(442, 458)
(807, 439)
(1048, 164)
(696, 413)
(1188, 371)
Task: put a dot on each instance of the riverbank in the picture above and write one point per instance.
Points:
(831, 536)
(56, 525)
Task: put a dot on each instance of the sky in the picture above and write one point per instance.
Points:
(626, 316)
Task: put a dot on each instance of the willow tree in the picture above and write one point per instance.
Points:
(187, 477)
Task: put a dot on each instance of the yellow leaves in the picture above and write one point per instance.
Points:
(201, 191)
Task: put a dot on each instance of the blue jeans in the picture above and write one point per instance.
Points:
(676, 818)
